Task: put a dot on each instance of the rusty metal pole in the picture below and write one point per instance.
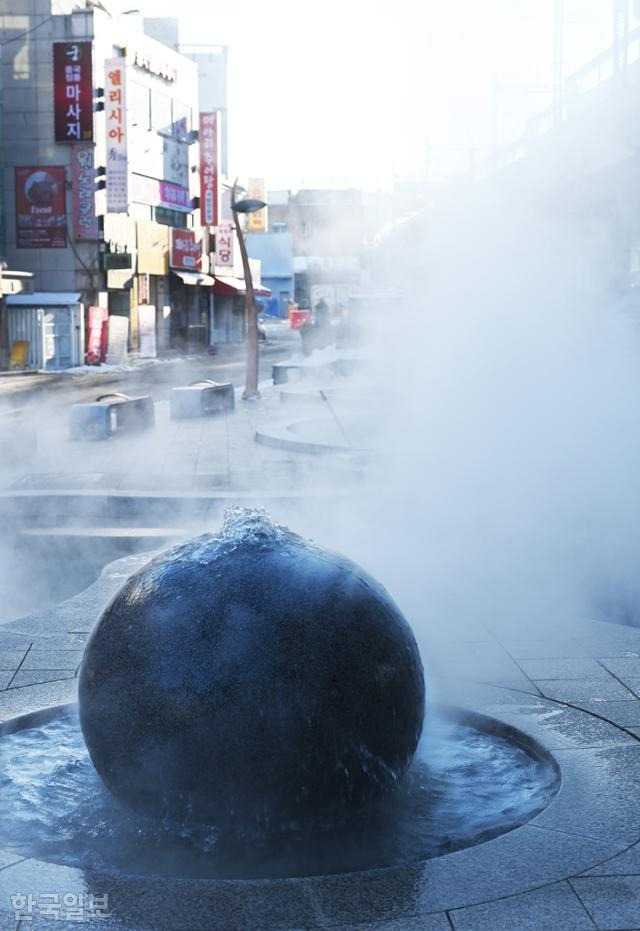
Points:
(250, 392)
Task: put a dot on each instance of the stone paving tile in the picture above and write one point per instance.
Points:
(14, 702)
(53, 659)
(558, 727)
(11, 659)
(612, 902)
(624, 667)
(625, 864)
(436, 922)
(552, 908)
(26, 677)
(633, 684)
(5, 679)
(598, 795)
(486, 670)
(577, 690)
(544, 649)
(569, 668)
(624, 713)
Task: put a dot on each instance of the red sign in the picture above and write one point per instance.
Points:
(73, 91)
(209, 169)
(186, 250)
(97, 339)
(83, 183)
(41, 216)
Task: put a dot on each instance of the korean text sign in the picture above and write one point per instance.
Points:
(209, 169)
(73, 91)
(41, 216)
(116, 130)
(224, 245)
(186, 250)
(83, 184)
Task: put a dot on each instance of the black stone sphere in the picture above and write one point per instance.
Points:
(250, 677)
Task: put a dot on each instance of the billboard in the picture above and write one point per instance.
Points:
(83, 186)
(257, 222)
(72, 92)
(186, 250)
(117, 166)
(209, 169)
(160, 193)
(41, 216)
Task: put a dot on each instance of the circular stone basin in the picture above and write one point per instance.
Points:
(472, 779)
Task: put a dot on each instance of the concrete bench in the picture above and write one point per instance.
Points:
(201, 398)
(109, 414)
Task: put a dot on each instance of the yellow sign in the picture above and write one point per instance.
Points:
(19, 353)
(153, 248)
(257, 222)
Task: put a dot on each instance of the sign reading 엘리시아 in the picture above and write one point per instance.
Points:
(73, 92)
(208, 169)
(41, 215)
(117, 166)
(186, 250)
(83, 185)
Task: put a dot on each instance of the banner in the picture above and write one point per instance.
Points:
(147, 325)
(41, 215)
(257, 222)
(117, 166)
(118, 334)
(208, 169)
(186, 250)
(97, 337)
(83, 187)
(73, 91)
(160, 193)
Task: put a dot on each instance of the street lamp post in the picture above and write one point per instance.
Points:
(251, 391)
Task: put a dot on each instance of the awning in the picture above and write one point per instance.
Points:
(193, 277)
(236, 286)
(12, 282)
(44, 299)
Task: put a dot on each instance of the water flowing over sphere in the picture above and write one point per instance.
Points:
(250, 676)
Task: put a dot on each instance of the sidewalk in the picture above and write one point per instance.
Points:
(22, 386)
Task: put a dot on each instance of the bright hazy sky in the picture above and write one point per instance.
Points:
(350, 91)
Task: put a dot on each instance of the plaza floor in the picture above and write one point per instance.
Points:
(575, 691)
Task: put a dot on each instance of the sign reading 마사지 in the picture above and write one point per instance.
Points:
(73, 91)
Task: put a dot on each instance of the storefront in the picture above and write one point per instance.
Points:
(190, 292)
(229, 319)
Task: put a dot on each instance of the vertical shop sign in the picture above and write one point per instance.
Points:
(97, 337)
(209, 169)
(83, 183)
(73, 92)
(257, 221)
(116, 128)
(224, 245)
